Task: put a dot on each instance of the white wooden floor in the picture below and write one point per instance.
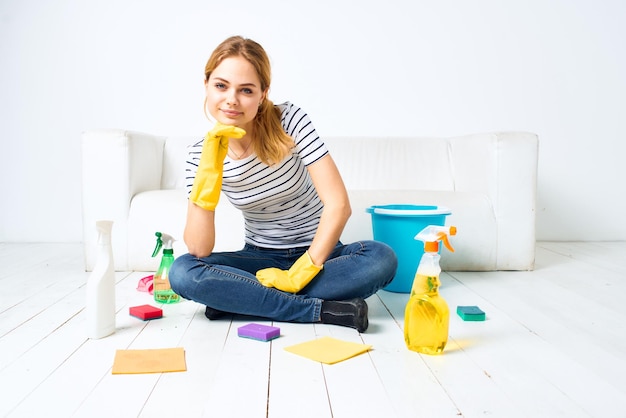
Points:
(553, 345)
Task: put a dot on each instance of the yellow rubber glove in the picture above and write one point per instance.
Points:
(208, 182)
(293, 280)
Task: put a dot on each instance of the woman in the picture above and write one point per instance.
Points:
(271, 164)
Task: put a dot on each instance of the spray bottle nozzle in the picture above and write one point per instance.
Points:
(163, 240)
(432, 234)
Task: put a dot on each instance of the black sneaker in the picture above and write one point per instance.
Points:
(347, 313)
(214, 313)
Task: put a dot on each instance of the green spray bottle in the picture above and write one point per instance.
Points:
(163, 292)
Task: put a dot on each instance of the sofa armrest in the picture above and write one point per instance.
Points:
(116, 165)
(505, 171)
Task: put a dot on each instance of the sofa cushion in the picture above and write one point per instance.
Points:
(368, 163)
(166, 211)
(472, 214)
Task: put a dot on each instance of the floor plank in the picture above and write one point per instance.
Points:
(411, 386)
(296, 383)
(204, 343)
(241, 382)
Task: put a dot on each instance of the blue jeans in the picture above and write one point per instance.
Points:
(226, 281)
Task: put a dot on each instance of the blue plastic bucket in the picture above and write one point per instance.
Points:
(396, 226)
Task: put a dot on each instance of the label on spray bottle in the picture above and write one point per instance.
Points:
(426, 317)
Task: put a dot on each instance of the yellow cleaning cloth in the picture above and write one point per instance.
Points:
(328, 350)
(159, 360)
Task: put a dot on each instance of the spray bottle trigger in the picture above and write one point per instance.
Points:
(444, 238)
(159, 244)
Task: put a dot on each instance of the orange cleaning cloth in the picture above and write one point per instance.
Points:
(160, 360)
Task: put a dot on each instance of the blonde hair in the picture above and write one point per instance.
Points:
(273, 143)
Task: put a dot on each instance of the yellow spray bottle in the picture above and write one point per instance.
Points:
(427, 315)
(163, 292)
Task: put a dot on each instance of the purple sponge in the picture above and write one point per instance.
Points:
(258, 332)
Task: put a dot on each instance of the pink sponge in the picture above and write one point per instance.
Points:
(146, 312)
(258, 332)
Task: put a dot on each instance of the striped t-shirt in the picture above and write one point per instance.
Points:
(280, 205)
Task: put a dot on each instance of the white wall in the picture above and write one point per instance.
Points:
(412, 67)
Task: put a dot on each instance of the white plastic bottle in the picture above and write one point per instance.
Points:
(100, 304)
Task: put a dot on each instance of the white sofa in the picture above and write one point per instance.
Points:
(487, 180)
